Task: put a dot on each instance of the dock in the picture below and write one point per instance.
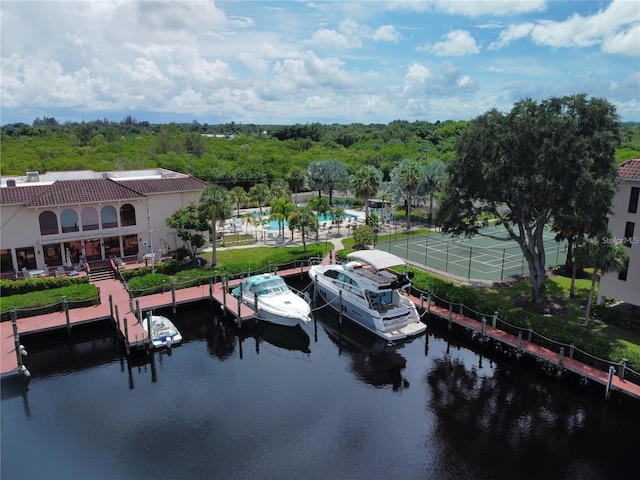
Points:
(609, 379)
(127, 313)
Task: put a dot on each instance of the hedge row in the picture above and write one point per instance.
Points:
(28, 285)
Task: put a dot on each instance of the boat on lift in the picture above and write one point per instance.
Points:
(164, 333)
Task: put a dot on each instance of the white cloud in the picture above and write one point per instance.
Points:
(456, 43)
(512, 33)
(469, 8)
(386, 33)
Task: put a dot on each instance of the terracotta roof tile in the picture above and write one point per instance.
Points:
(630, 169)
(73, 192)
(165, 185)
(20, 195)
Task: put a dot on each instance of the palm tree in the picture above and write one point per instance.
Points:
(434, 175)
(305, 221)
(407, 177)
(238, 196)
(280, 210)
(365, 183)
(338, 215)
(259, 193)
(296, 178)
(606, 255)
(321, 207)
(216, 202)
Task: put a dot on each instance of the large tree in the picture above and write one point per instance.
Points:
(189, 222)
(305, 221)
(365, 183)
(216, 203)
(406, 178)
(523, 167)
(327, 176)
(434, 176)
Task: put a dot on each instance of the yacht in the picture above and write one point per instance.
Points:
(370, 294)
(273, 300)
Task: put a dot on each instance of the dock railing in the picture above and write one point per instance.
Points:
(569, 350)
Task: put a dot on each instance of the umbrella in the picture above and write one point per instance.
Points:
(69, 261)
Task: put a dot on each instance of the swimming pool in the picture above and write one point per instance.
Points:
(324, 218)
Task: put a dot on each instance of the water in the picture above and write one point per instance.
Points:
(273, 224)
(305, 404)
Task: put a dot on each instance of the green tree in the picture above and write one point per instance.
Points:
(321, 207)
(297, 179)
(260, 194)
(606, 255)
(519, 167)
(327, 176)
(365, 183)
(407, 178)
(190, 223)
(238, 197)
(281, 208)
(194, 144)
(434, 175)
(305, 221)
(363, 235)
(216, 204)
(338, 215)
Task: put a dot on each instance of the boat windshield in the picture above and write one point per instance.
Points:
(273, 286)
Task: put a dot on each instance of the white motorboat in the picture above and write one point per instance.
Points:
(163, 332)
(370, 294)
(273, 300)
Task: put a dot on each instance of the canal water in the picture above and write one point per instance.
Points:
(319, 402)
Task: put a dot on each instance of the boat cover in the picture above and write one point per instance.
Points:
(378, 259)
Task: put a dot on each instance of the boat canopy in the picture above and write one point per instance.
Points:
(378, 259)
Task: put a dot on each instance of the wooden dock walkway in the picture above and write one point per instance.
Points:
(116, 305)
(523, 346)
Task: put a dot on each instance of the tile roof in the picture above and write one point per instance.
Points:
(20, 195)
(630, 169)
(73, 192)
(165, 185)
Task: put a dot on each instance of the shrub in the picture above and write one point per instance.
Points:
(29, 285)
(148, 284)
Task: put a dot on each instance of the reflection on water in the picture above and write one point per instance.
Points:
(372, 361)
(319, 402)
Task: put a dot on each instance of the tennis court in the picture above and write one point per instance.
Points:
(480, 258)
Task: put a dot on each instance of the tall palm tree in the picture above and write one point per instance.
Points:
(606, 255)
(296, 178)
(238, 196)
(365, 183)
(260, 193)
(216, 202)
(305, 221)
(434, 175)
(281, 208)
(338, 215)
(407, 177)
(321, 207)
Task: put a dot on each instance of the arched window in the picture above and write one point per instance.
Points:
(69, 221)
(109, 217)
(127, 215)
(48, 223)
(89, 219)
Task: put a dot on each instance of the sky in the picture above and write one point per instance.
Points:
(287, 62)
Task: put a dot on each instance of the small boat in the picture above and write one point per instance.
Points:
(163, 332)
(273, 300)
(370, 294)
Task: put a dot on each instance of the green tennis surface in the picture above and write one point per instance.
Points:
(477, 258)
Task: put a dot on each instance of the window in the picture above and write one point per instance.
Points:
(26, 258)
(89, 219)
(130, 243)
(112, 247)
(127, 215)
(628, 233)
(69, 221)
(48, 223)
(622, 275)
(52, 254)
(6, 262)
(109, 217)
(633, 199)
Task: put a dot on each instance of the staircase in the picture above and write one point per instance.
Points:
(101, 273)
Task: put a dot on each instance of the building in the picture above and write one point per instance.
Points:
(60, 218)
(624, 224)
